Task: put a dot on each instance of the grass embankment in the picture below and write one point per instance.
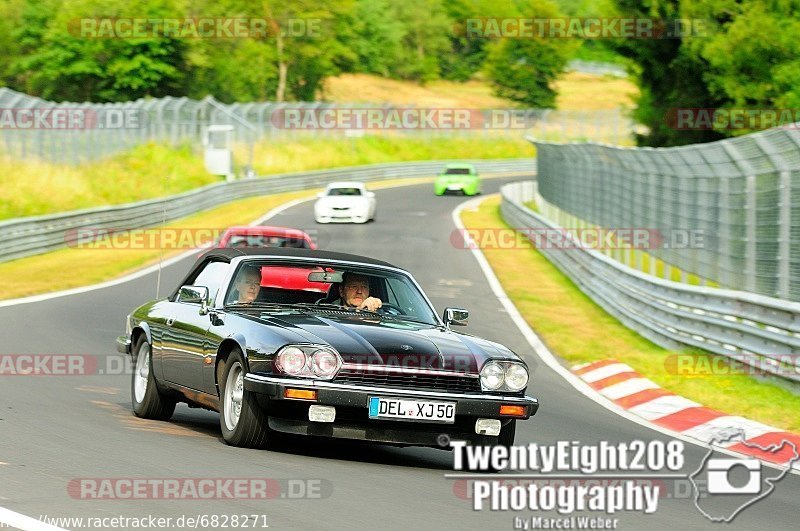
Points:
(474, 94)
(576, 91)
(579, 331)
(33, 188)
(318, 153)
(588, 92)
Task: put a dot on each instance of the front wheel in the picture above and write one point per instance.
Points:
(242, 420)
(148, 400)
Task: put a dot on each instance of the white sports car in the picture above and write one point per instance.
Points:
(345, 202)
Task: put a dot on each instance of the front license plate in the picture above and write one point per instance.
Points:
(454, 187)
(407, 409)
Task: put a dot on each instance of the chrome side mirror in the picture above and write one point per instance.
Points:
(455, 316)
(194, 295)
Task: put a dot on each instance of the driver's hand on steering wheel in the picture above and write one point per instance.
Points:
(370, 303)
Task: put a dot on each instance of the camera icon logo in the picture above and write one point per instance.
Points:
(725, 486)
(720, 472)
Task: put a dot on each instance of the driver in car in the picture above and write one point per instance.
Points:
(354, 293)
(247, 285)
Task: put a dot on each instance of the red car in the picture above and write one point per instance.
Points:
(258, 236)
(275, 276)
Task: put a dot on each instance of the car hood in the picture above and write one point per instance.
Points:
(393, 343)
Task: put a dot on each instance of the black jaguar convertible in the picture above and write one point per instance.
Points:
(282, 340)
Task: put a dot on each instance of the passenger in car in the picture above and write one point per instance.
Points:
(247, 285)
(354, 293)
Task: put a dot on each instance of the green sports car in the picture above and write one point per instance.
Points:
(458, 178)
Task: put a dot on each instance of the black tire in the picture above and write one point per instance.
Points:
(251, 430)
(507, 434)
(152, 403)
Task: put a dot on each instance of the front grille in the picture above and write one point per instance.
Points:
(428, 382)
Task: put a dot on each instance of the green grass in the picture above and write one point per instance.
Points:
(33, 188)
(312, 153)
(579, 331)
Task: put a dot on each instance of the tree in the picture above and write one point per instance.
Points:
(752, 52)
(427, 27)
(467, 52)
(670, 77)
(306, 48)
(376, 37)
(523, 69)
(71, 65)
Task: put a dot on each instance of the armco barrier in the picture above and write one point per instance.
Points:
(760, 331)
(34, 235)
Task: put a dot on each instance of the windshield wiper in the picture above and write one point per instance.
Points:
(335, 307)
(259, 306)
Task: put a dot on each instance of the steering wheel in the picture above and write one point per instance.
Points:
(391, 309)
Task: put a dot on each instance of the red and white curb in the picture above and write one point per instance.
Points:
(638, 395)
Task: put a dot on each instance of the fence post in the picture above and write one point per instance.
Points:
(749, 174)
(783, 256)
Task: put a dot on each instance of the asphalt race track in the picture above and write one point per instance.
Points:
(56, 429)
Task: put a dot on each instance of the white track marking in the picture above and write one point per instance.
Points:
(605, 372)
(628, 387)
(548, 358)
(662, 406)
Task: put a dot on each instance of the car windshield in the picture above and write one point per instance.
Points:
(344, 191)
(457, 171)
(270, 285)
(258, 240)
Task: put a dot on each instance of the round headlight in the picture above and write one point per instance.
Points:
(492, 376)
(516, 376)
(324, 363)
(292, 361)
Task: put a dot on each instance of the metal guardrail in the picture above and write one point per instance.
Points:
(739, 193)
(34, 235)
(760, 331)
